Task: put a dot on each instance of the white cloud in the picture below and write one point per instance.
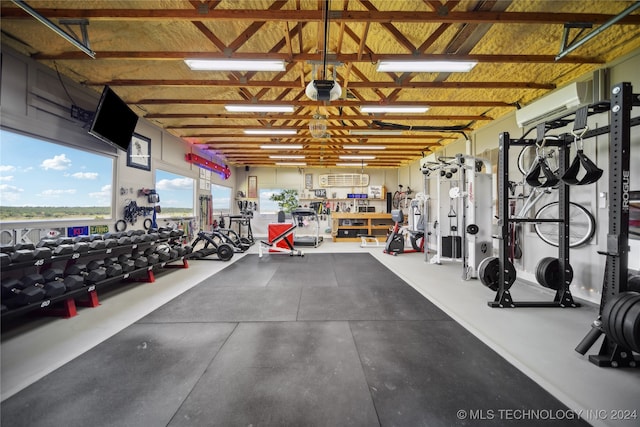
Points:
(85, 175)
(58, 163)
(9, 193)
(7, 168)
(175, 184)
(103, 196)
(56, 193)
(6, 178)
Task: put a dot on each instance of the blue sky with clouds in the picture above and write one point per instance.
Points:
(38, 173)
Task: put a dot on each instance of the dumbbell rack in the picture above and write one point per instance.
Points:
(87, 296)
(619, 144)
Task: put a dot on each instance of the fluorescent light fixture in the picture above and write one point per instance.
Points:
(357, 165)
(426, 66)
(235, 65)
(287, 157)
(281, 147)
(393, 109)
(375, 132)
(291, 164)
(364, 147)
(268, 131)
(357, 157)
(259, 108)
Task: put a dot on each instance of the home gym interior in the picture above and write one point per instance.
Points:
(320, 212)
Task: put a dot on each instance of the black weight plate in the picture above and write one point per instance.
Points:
(611, 315)
(472, 229)
(541, 268)
(633, 283)
(617, 326)
(608, 311)
(225, 252)
(489, 273)
(631, 327)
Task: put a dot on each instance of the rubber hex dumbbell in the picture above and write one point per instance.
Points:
(90, 277)
(111, 270)
(51, 289)
(15, 292)
(71, 282)
(127, 263)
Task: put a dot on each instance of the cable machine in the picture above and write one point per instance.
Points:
(470, 208)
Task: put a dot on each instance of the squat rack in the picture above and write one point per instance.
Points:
(620, 107)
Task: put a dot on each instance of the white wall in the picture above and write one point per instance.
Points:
(587, 264)
(34, 101)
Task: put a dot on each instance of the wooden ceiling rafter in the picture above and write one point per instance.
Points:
(293, 84)
(250, 116)
(533, 18)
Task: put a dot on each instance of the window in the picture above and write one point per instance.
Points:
(176, 194)
(221, 198)
(42, 180)
(268, 206)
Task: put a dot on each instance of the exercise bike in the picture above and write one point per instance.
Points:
(395, 243)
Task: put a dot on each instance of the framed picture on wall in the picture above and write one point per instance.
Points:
(252, 187)
(139, 152)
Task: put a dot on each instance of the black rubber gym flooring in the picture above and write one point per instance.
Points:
(324, 340)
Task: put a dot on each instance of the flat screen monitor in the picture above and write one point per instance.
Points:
(114, 122)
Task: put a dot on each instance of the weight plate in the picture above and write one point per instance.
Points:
(549, 274)
(610, 314)
(472, 229)
(225, 252)
(617, 326)
(487, 270)
(631, 327)
(489, 273)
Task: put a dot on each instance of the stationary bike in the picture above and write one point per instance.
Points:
(395, 240)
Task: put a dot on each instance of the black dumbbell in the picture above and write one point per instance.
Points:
(63, 249)
(111, 270)
(97, 244)
(91, 277)
(51, 289)
(81, 247)
(21, 255)
(141, 262)
(163, 252)
(153, 259)
(5, 259)
(64, 240)
(16, 292)
(71, 282)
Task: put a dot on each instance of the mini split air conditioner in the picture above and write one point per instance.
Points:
(556, 104)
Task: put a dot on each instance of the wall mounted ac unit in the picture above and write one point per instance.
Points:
(556, 104)
(343, 180)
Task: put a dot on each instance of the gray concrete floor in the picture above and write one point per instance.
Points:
(537, 341)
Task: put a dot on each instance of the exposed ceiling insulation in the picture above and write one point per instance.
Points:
(140, 47)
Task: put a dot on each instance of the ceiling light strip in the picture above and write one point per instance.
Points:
(364, 147)
(235, 65)
(393, 109)
(258, 108)
(426, 66)
(281, 147)
(270, 131)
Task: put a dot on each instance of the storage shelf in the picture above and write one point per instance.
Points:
(376, 224)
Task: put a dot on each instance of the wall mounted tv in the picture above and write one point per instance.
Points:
(114, 122)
